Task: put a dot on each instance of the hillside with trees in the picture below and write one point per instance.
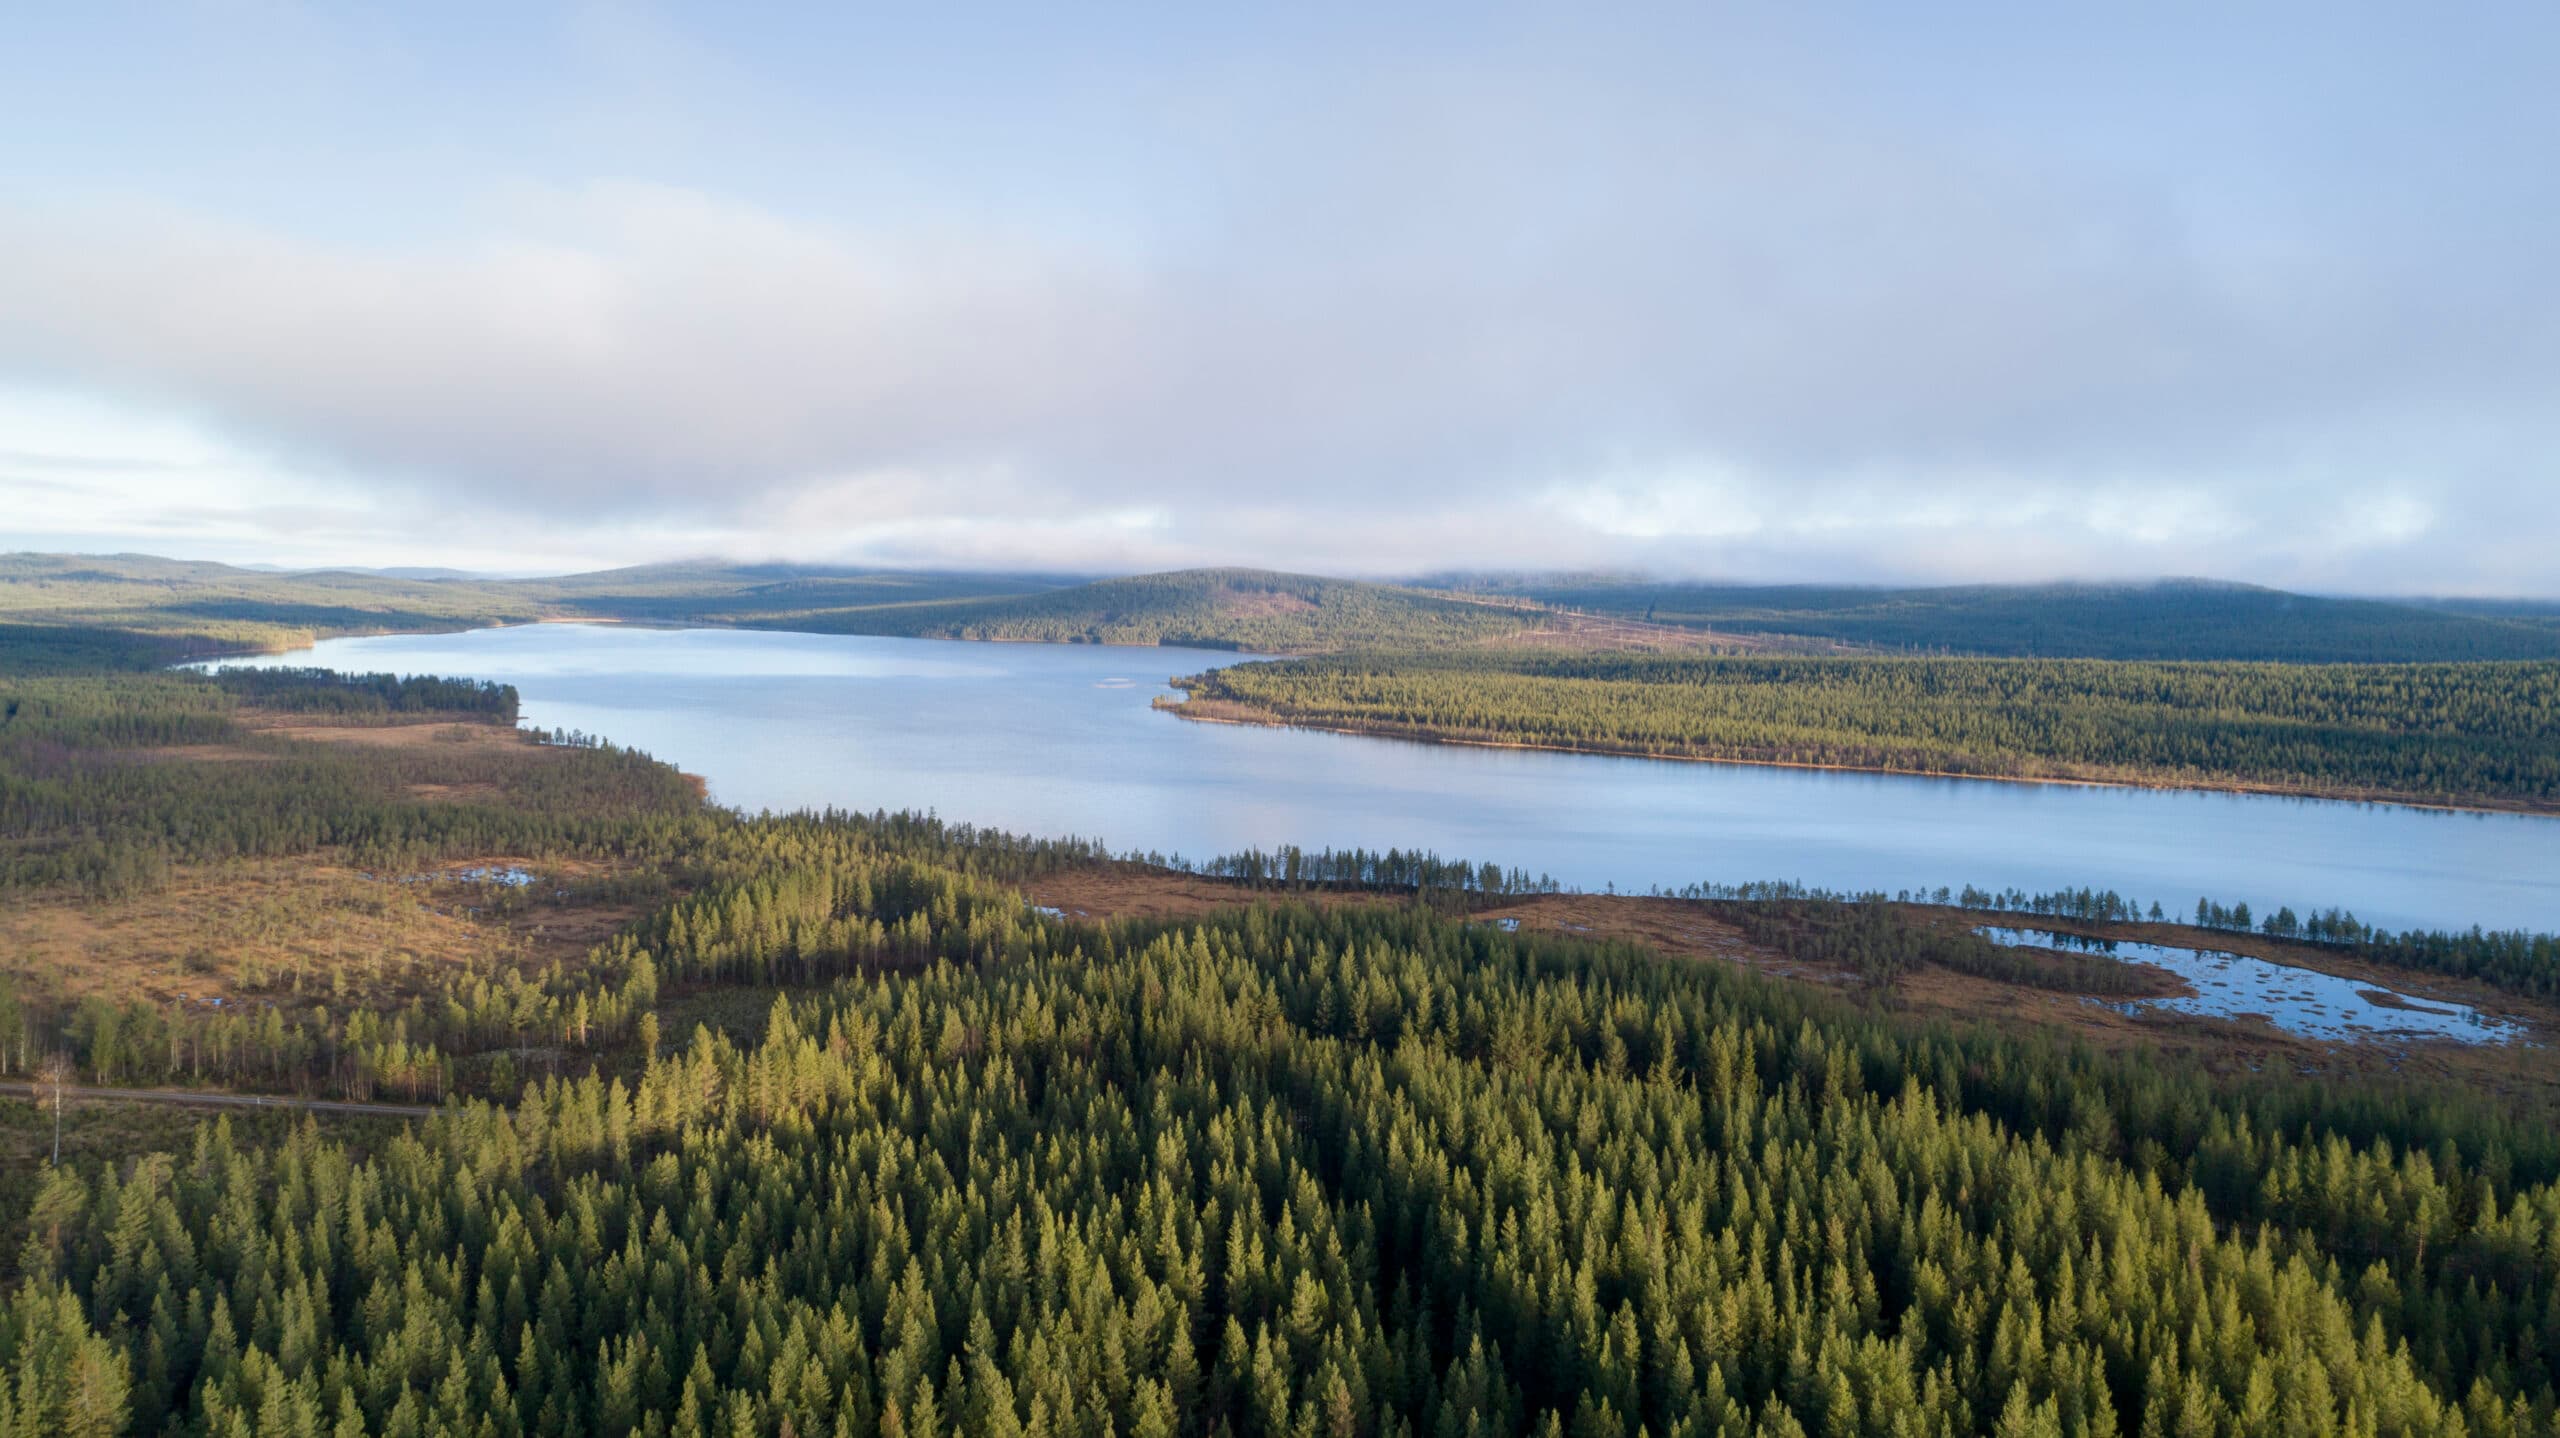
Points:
(1244, 609)
(2172, 619)
(1248, 609)
(196, 607)
(769, 596)
(202, 608)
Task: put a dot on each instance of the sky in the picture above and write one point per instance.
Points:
(1886, 293)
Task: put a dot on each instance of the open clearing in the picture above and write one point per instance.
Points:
(270, 926)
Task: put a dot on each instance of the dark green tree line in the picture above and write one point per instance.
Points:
(2426, 732)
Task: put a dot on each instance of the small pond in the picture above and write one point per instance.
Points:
(2299, 1001)
(509, 875)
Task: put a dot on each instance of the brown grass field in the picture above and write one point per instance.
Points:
(313, 923)
(297, 925)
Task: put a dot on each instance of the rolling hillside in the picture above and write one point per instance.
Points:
(2174, 619)
(766, 596)
(190, 606)
(1245, 609)
(199, 606)
(193, 606)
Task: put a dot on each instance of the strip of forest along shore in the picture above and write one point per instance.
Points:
(1232, 712)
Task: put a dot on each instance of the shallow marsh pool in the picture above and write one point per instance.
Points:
(2299, 1001)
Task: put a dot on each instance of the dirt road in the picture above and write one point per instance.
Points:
(199, 1098)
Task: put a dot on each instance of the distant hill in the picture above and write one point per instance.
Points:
(198, 606)
(2540, 613)
(1244, 609)
(429, 572)
(2171, 619)
(193, 606)
(390, 571)
(769, 596)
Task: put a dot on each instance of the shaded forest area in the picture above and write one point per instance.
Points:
(2170, 619)
(2427, 733)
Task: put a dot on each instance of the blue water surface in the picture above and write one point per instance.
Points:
(2297, 1000)
(1060, 740)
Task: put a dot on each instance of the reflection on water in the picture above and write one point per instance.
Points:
(2299, 1001)
(1047, 739)
(510, 875)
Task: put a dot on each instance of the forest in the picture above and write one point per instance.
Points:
(1356, 1170)
(837, 1132)
(2169, 619)
(1245, 609)
(93, 797)
(2430, 733)
(195, 608)
(201, 607)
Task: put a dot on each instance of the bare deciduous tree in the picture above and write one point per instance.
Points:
(54, 1083)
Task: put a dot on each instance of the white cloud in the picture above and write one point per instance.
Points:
(1578, 299)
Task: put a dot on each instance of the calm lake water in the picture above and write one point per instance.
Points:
(2296, 1000)
(1059, 740)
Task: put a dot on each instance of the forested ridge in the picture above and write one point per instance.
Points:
(2484, 733)
(195, 607)
(188, 608)
(202, 605)
(2172, 619)
(1203, 608)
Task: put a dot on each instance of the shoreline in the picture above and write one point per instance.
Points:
(1249, 718)
(1254, 719)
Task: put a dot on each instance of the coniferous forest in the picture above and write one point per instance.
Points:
(1287, 1172)
(2442, 733)
(840, 1134)
(2171, 619)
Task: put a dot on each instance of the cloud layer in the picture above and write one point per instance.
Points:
(1554, 300)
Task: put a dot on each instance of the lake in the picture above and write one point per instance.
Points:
(1060, 740)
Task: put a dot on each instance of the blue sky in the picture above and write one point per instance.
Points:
(1893, 293)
